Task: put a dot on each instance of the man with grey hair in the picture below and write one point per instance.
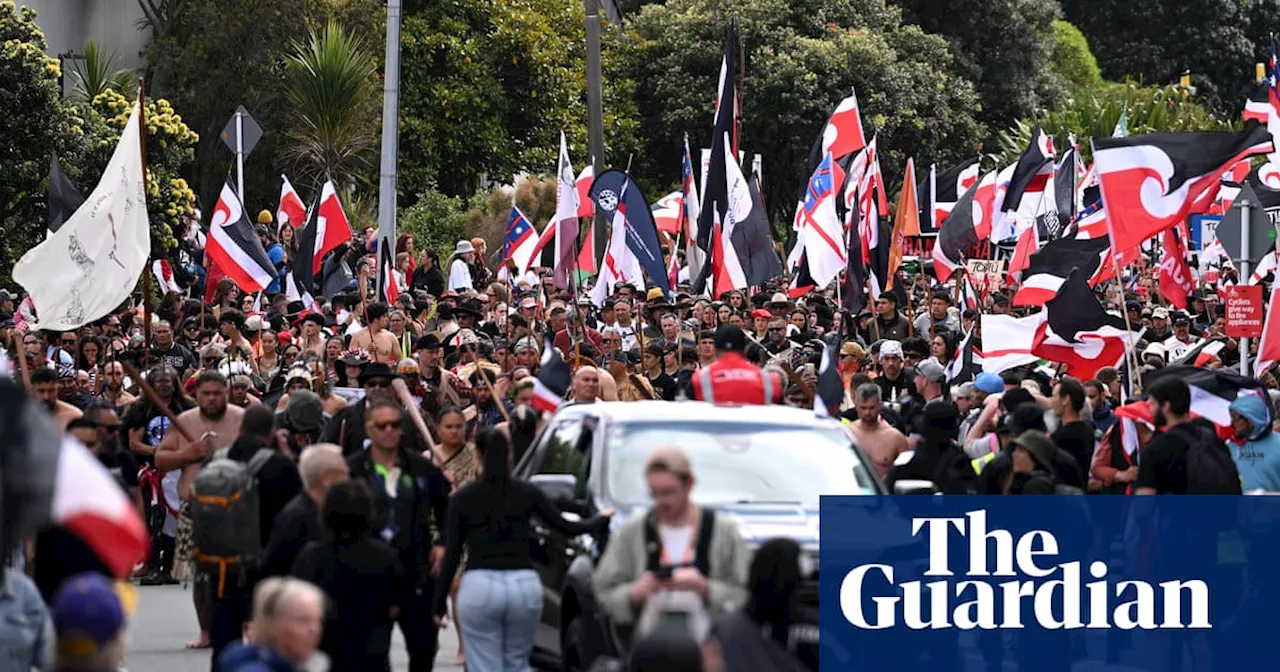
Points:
(882, 443)
(320, 467)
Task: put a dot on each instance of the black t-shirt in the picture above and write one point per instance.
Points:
(175, 355)
(1076, 438)
(123, 466)
(664, 386)
(142, 415)
(888, 386)
(1162, 465)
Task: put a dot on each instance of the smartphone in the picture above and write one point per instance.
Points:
(664, 573)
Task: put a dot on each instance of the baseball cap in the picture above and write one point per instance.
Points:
(989, 383)
(851, 348)
(1161, 313)
(890, 349)
(528, 302)
(1181, 318)
(929, 370)
(1133, 307)
(89, 613)
(762, 313)
(730, 338)
(525, 344)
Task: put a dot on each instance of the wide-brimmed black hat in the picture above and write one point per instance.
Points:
(471, 308)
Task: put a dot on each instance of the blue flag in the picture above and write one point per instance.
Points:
(642, 232)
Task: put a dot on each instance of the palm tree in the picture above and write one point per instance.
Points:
(93, 75)
(331, 82)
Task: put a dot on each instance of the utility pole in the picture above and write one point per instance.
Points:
(1245, 206)
(390, 139)
(595, 113)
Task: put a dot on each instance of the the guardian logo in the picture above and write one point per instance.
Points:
(1051, 594)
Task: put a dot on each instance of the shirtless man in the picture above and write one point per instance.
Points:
(376, 338)
(44, 383)
(311, 340)
(882, 442)
(213, 423)
(113, 389)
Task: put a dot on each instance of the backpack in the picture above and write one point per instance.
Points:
(224, 516)
(1210, 469)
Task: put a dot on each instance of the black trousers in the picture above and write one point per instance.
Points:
(421, 636)
(227, 614)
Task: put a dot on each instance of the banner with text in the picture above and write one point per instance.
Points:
(1049, 584)
(1244, 310)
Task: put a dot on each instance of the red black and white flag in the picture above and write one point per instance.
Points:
(830, 388)
(291, 211)
(841, 136)
(1032, 171)
(1078, 331)
(1212, 390)
(1269, 346)
(235, 246)
(553, 381)
(938, 194)
(1150, 182)
(967, 361)
(387, 289)
(326, 230)
(52, 480)
(956, 237)
(1051, 265)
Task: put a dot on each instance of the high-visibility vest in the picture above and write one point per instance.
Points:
(980, 463)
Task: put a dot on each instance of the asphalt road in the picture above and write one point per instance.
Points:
(165, 621)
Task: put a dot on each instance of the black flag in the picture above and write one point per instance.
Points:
(64, 198)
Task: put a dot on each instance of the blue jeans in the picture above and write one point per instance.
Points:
(498, 614)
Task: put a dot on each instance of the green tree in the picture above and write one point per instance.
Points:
(1072, 60)
(800, 59)
(1147, 109)
(1003, 46)
(1155, 41)
(170, 150)
(95, 74)
(437, 221)
(333, 90)
(214, 55)
(34, 123)
(487, 86)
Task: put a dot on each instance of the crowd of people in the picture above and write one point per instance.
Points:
(379, 439)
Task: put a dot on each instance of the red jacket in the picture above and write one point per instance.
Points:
(734, 380)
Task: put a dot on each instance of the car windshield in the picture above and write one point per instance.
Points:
(741, 463)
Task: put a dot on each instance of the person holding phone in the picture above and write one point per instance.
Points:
(677, 546)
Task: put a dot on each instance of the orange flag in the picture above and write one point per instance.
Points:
(906, 221)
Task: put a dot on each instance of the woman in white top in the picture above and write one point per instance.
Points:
(459, 266)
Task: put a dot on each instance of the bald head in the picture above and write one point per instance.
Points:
(586, 384)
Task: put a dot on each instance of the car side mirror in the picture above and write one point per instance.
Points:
(559, 488)
(914, 487)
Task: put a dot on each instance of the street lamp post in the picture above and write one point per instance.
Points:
(390, 136)
(595, 110)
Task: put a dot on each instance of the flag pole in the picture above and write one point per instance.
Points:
(1129, 345)
(146, 274)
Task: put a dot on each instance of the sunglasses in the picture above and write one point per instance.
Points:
(69, 341)
(110, 428)
(773, 329)
(384, 426)
(378, 383)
